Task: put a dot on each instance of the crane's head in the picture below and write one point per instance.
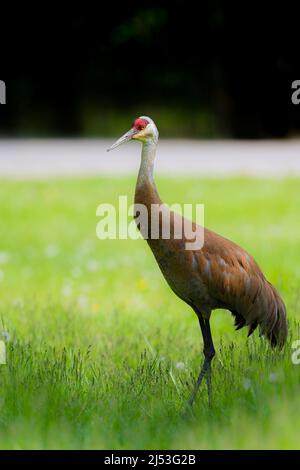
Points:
(143, 129)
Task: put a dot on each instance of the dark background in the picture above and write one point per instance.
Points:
(200, 69)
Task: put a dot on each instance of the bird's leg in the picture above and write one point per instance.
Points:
(209, 385)
(209, 352)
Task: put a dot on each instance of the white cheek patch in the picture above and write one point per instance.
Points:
(147, 132)
(143, 134)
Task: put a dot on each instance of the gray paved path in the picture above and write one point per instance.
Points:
(41, 158)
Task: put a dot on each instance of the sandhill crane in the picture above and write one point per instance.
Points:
(219, 275)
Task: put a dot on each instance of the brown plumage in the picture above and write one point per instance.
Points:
(219, 275)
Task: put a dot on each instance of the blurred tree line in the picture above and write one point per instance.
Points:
(200, 69)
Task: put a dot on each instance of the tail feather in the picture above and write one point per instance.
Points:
(252, 328)
(275, 328)
(266, 310)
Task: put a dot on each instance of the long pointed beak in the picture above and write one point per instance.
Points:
(122, 140)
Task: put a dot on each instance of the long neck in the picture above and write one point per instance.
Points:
(147, 163)
(145, 186)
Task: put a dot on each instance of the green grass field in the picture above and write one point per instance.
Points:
(100, 352)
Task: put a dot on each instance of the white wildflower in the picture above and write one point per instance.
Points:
(92, 265)
(76, 272)
(6, 335)
(4, 257)
(66, 290)
(82, 301)
(51, 251)
(273, 377)
(247, 384)
(180, 365)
